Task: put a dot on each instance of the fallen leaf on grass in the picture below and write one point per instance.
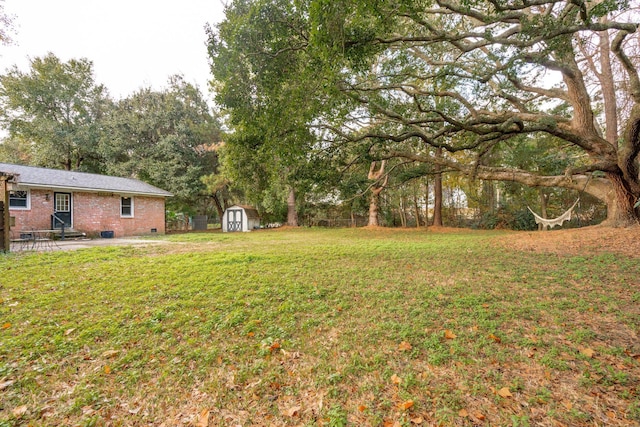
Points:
(463, 413)
(406, 405)
(588, 352)
(69, 331)
(504, 392)
(46, 411)
(495, 338)
(362, 408)
(479, 415)
(404, 346)
(417, 420)
(107, 369)
(19, 411)
(293, 411)
(110, 353)
(396, 379)
(251, 334)
(274, 346)
(203, 419)
(449, 335)
(6, 325)
(6, 384)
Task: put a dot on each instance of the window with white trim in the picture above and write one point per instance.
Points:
(126, 207)
(19, 199)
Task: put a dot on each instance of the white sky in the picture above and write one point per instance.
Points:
(132, 43)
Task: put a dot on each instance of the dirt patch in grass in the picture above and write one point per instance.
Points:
(587, 240)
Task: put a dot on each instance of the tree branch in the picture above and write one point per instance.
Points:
(632, 71)
(597, 187)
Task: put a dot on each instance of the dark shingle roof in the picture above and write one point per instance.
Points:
(252, 213)
(30, 176)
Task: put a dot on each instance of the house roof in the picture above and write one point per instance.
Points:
(252, 213)
(29, 176)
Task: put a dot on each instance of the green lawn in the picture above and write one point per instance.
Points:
(319, 327)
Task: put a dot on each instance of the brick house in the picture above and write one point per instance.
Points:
(90, 203)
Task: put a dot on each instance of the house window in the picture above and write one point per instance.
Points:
(19, 199)
(126, 207)
(63, 202)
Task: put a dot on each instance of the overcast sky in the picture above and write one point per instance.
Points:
(132, 43)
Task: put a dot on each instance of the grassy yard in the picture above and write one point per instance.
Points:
(319, 327)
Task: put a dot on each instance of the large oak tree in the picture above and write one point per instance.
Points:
(512, 69)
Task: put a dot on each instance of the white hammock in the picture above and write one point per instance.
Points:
(555, 221)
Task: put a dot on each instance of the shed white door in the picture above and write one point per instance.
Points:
(234, 220)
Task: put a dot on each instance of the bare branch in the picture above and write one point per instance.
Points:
(616, 47)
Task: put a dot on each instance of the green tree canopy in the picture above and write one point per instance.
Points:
(166, 138)
(55, 110)
(267, 84)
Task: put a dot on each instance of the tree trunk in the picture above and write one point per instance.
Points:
(620, 201)
(219, 207)
(416, 207)
(489, 195)
(543, 208)
(292, 214)
(373, 208)
(426, 203)
(376, 189)
(437, 192)
(608, 89)
(403, 212)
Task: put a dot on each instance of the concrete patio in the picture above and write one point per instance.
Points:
(73, 244)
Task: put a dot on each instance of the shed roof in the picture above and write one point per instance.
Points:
(30, 176)
(252, 213)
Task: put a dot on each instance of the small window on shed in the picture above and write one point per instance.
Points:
(19, 199)
(126, 207)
